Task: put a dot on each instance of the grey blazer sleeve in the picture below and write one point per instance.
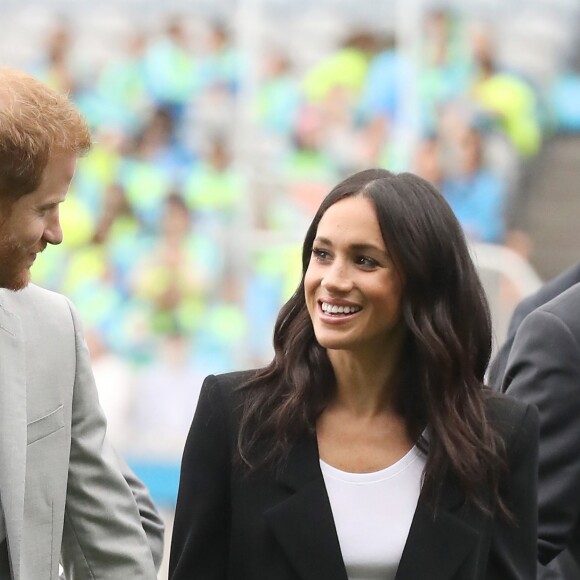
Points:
(544, 369)
(150, 518)
(103, 536)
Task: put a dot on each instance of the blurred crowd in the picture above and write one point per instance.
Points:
(183, 226)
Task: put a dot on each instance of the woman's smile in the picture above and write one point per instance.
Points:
(352, 290)
(334, 312)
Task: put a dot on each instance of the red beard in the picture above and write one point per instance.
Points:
(14, 263)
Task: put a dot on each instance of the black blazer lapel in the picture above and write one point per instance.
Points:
(437, 545)
(303, 523)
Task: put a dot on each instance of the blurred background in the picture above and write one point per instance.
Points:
(220, 125)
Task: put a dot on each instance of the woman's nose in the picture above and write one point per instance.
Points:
(336, 279)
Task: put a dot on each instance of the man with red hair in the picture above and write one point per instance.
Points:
(65, 495)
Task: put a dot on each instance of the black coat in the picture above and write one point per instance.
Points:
(279, 526)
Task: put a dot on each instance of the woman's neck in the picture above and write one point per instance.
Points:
(365, 380)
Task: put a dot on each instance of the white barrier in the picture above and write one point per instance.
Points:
(507, 278)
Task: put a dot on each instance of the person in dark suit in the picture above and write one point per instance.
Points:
(549, 290)
(540, 364)
(369, 446)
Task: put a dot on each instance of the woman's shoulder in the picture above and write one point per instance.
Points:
(226, 386)
(512, 418)
(232, 379)
(501, 407)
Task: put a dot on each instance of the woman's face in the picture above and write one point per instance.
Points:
(352, 290)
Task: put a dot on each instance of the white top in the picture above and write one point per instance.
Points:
(373, 514)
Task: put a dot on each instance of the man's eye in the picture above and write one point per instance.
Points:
(42, 211)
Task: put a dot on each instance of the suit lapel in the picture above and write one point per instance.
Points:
(12, 432)
(437, 545)
(303, 523)
(304, 526)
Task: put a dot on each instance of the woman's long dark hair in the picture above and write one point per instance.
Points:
(443, 361)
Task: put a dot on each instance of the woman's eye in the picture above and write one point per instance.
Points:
(367, 262)
(320, 254)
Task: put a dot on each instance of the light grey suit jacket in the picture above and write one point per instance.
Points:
(63, 493)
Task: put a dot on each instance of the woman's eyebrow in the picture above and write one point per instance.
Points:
(366, 247)
(359, 247)
(322, 240)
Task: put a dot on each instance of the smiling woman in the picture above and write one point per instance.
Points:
(352, 291)
(369, 447)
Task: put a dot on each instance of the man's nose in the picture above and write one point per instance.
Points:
(53, 231)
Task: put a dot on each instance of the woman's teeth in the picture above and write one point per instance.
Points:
(334, 309)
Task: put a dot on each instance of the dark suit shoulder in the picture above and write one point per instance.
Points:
(234, 379)
(564, 308)
(228, 383)
(546, 293)
(564, 302)
(223, 390)
(512, 418)
(501, 407)
(554, 287)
